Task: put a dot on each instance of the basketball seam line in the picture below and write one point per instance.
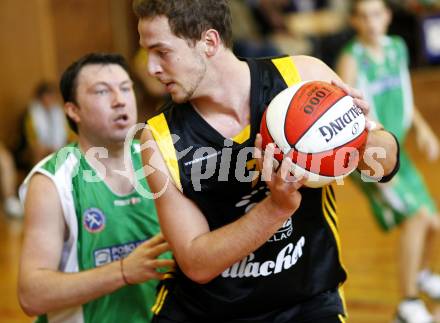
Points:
(302, 135)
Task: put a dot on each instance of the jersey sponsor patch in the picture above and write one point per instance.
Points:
(130, 201)
(284, 232)
(94, 220)
(112, 253)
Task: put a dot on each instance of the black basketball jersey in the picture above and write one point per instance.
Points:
(298, 263)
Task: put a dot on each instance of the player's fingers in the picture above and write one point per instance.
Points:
(363, 105)
(288, 173)
(341, 85)
(372, 125)
(355, 93)
(296, 182)
(258, 155)
(285, 171)
(268, 162)
(157, 239)
(160, 263)
(299, 182)
(158, 249)
(156, 275)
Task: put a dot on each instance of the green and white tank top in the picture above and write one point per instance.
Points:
(102, 227)
(386, 85)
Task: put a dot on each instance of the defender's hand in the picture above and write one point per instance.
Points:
(142, 264)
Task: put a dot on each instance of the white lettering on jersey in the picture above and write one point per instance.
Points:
(286, 258)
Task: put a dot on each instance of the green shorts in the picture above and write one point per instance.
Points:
(399, 199)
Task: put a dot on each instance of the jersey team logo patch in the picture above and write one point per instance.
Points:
(94, 220)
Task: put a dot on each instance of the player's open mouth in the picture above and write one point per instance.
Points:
(169, 86)
(121, 119)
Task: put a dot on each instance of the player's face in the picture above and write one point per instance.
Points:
(177, 64)
(106, 103)
(371, 20)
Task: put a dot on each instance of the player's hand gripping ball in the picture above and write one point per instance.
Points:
(319, 127)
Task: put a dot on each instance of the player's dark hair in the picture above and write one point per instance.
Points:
(188, 19)
(69, 78)
(43, 88)
(354, 4)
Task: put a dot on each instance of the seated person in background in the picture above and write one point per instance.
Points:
(246, 33)
(262, 33)
(11, 204)
(46, 128)
(311, 27)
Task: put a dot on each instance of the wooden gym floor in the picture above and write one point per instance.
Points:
(369, 255)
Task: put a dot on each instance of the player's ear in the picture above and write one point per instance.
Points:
(389, 15)
(211, 41)
(71, 109)
(353, 20)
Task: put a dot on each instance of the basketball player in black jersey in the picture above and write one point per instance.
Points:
(248, 250)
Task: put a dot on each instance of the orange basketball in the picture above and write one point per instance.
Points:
(319, 127)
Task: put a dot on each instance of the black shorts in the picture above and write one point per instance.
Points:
(329, 319)
(326, 307)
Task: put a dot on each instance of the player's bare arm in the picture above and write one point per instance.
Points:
(187, 230)
(42, 288)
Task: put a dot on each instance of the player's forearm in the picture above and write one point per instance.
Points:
(418, 119)
(420, 124)
(45, 290)
(208, 255)
(380, 155)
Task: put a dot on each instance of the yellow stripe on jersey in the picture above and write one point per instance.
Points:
(158, 300)
(331, 196)
(244, 135)
(168, 275)
(326, 191)
(287, 69)
(341, 318)
(159, 308)
(330, 203)
(162, 135)
(344, 305)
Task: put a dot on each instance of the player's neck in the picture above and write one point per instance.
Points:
(109, 156)
(226, 90)
(374, 47)
(111, 165)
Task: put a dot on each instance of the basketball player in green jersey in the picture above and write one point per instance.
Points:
(91, 241)
(378, 65)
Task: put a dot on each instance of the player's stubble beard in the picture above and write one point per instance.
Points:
(199, 73)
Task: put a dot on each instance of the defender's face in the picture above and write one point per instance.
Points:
(174, 61)
(371, 19)
(106, 103)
